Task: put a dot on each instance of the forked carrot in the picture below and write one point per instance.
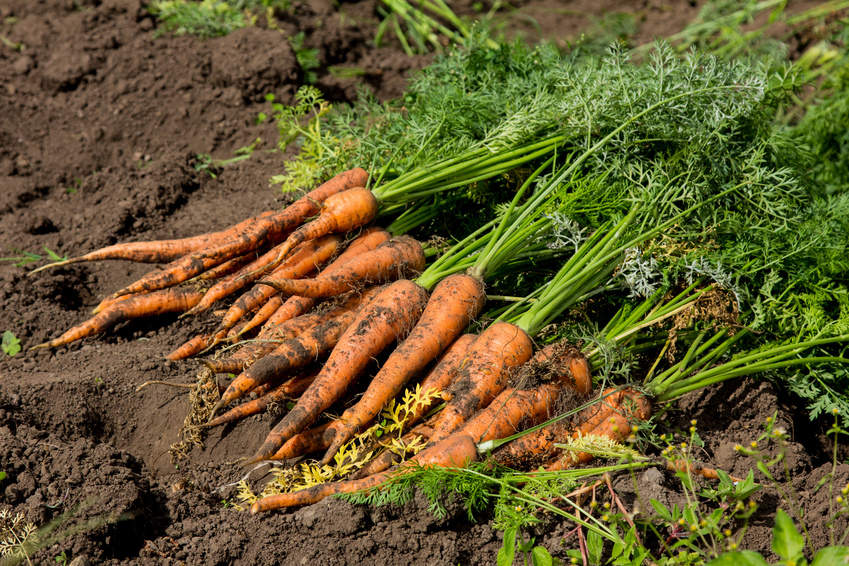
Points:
(455, 302)
(307, 258)
(483, 374)
(387, 318)
(297, 352)
(178, 299)
(399, 257)
(270, 228)
(456, 451)
(157, 251)
(341, 212)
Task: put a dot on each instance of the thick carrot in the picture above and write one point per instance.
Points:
(369, 240)
(614, 421)
(341, 212)
(298, 351)
(387, 318)
(483, 374)
(270, 228)
(158, 251)
(399, 257)
(190, 348)
(178, 299)
(455, 302)
(456, 451)
(306, 259)
(310, 440)
(275, 393)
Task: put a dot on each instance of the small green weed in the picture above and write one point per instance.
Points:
(11, 345)
(307, 57)
(62, 558)
(26, 258)
(205, 162)
(209, 18)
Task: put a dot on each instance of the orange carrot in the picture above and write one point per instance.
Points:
(267, 311)
(367, 241)
(388, 458)
(178, 299)
(455, 302)
(270, 228)
(190, 348)
(306, 259)
(310, 440)
(396, 258)
(228, 267)
(298, 351)
(387, 318)
(250, 353)
(341, 212)
(483, 374)
(614, 421)
(275, 393)
(454, 452)
(158, 251)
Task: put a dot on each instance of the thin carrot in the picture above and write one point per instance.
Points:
(178, 299)
(341, 212)
(455, 302)
(190, 348)
(270, 228)
(263, 345)
(456, 451)
(267, 311)
(369, 240)
(483, 374)
(387, 318)
(298, 351)
(275, 393)
(396, 258)
(306, 259)
(228, 267)
(310, 440)
(158, 251)
(614, 420)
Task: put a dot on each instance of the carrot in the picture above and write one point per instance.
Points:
(297, 352)
(267, 311)
(455, 302)
(158, 251)
(270, 228)
(396, 258)
(306, 259)
(271, 393)
(614, 421)
(262, 346)
(178, 299)
(369, 240)
(190, 348)
(483, 374)
(310, 440)
(388, 458)
(386, 319)
(340, 212)
(228, 267)
(453, 452)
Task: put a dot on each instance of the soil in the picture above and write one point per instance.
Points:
(100, 128)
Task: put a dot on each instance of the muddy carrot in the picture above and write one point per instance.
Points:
(270, 228)
(299, 351)
(306, 258)
(341, 212)
(228, 267)
(399, 257)
(158, 251)
(190, 348)
(310, 440)
(387, 318)
(455, 302)
(177, 299)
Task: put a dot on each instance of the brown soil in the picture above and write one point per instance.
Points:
(100, 124)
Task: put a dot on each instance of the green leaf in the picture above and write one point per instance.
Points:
(594, 547)
(661, 509)
(742, 558)
(831, 555)
(507, 551)
(11, 344)
(786, 540)
(541, 557)
(2, 476)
